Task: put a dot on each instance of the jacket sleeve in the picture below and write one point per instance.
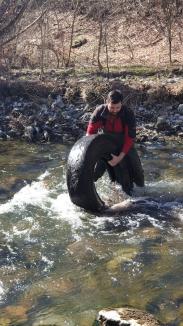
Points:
(95, 122)
(130, 131)
(128, 141)
(131, 123)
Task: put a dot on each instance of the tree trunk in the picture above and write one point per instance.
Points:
(170, 44)
(107, 54)
(72, 36)
(42, 49)
(99, 46)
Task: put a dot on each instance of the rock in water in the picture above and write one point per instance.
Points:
(162, 124)
(180, 109)
(126, 316)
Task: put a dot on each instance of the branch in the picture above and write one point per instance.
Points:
(25, 29)
(3, 7)
(13, 21)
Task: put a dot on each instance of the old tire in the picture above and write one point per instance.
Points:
(80, 169)
(82, 159)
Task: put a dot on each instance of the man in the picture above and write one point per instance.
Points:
(116, 119)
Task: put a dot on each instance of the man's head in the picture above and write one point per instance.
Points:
(114, 101)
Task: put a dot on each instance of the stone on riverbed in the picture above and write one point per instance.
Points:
(126, 316)
(52, 320)
(162, 124)
(3, 135)
(180, 108)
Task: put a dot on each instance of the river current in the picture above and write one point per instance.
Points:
(60, 265)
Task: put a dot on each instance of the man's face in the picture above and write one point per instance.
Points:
(114, 108)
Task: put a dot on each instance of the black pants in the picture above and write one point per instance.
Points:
(129, 170)
(119, 173)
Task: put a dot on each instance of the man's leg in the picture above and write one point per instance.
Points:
(123, 177)
(135, 167)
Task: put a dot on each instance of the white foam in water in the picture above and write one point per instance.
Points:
(64, 209)
(49, 263)
(35, 194)
(38, 195)
(44, 175)
(2, 291)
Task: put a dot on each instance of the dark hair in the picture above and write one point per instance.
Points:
(115, 96)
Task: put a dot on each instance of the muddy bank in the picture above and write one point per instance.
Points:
(58, 109)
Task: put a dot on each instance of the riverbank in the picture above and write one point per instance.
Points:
(58, 108)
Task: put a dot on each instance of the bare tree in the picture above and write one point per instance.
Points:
(160, 17)
(104, 13)
(10, 14)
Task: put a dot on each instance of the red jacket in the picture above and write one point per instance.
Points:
(123, 122)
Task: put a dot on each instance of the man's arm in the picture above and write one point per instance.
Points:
(93, 127)
(95, 122)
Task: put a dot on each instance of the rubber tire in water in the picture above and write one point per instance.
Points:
(80, 169)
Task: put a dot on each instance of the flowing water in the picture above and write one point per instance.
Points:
(60, 265)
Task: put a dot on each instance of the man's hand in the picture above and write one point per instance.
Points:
(116, 159)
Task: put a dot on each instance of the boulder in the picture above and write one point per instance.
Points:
(162, 124)
(58, 103)
(180, 109)
(126, 316)
(3, 135)
(79, 43)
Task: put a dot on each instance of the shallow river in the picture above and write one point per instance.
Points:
(60, 265)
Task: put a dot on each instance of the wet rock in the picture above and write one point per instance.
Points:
(46, 135)
(16, 112)
(155, 138)
(11, 185)
(57, 137)
(31, 133)
(85, 118)
(170, 132)
(50, 134)
(58, 103)
(149, 126)
(4, 321)
(58, 286)
(142, 138)
(16, 313)
(162, 124)
(52, 320)
(3, 135)
(121, 256)
(4, 194)
(180, 109)
(30, 108)
(126, 316)
(83, 251)
(177, 128)
(85, 318)
(14, 134)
